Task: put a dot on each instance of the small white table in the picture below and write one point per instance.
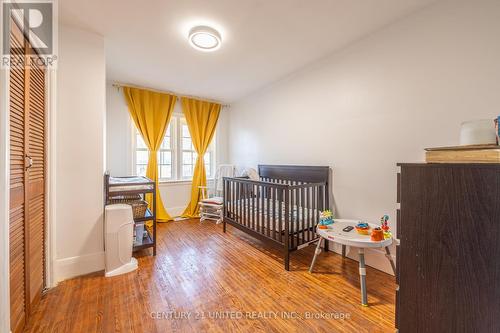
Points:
(335, 234)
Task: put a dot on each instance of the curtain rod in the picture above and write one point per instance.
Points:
(121, 85)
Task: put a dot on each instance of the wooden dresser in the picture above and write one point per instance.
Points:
(448, 260)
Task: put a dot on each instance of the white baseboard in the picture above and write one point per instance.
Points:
(75, 266)
(373, 257)
(67, 268)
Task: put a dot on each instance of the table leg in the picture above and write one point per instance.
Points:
(316, 253)
(343, 251)
(362, 277)
(388, 256)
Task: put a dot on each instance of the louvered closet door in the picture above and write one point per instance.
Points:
(27, 182)
(35, 180)
(17, 187)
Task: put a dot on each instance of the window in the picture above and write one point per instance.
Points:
(164, 155)
(177, 156)
(189, 154)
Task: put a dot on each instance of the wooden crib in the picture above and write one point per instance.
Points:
(282, 208)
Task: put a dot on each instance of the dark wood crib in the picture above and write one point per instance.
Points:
(282, 208)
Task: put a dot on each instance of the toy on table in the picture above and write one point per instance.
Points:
(497, 129)
(325, 219)
(377, 235)
(384, 220)
(362, 228)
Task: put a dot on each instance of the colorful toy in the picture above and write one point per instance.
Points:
(377, 235)
(497, 129)
(384, 220)
(362, 228)
(325, 218)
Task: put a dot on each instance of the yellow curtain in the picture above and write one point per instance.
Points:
(151, 112)
(201, 118)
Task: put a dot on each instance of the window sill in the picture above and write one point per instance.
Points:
(178, 182)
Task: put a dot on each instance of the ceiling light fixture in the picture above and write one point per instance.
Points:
(204, 38)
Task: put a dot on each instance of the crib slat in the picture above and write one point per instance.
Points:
(274, 197)
(320, 199)
(292, 217)
(243, 204)
(287, 218)
(230, 202)
(251, 205)
(241, 207)
(225, 196)
(308, 211)
(254, 212)
(264, 209)
(257, 206)
(234, 201)
(268, 206)
(303, 217)
(247, 205)
(280, 216)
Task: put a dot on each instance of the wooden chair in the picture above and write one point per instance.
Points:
(211, 206)
(212, 202)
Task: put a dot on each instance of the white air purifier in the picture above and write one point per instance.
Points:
(119, 229)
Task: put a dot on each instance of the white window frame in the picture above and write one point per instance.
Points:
(176, 122)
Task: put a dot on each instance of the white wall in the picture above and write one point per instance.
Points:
(175, 195)
(379, 101)
(80, 144)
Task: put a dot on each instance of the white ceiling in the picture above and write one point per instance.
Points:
(263, 40)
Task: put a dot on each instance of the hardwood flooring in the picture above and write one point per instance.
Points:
(203, 280)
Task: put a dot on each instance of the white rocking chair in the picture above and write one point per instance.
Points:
(212, 202)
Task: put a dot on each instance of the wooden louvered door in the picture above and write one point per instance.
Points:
(35, 181)
(17, 183)
(27, 181)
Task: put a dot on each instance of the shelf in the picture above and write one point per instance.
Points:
(147, 242)
(119, 186)
(126, 192)
(148, 216)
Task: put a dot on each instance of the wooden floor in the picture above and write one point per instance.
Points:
(203, 280)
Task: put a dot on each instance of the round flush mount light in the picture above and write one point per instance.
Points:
(204, 38)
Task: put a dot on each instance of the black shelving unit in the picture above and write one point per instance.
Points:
(123, 186)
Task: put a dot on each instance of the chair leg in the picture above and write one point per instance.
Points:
(221, 215)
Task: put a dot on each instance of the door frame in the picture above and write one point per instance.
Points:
(50, 174)
(4, 203)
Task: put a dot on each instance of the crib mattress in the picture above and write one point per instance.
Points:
(296, 215)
